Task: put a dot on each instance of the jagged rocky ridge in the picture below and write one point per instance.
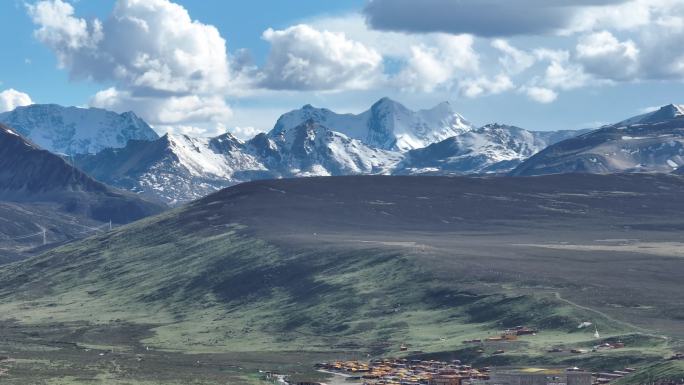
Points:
(387, 125)
(178, 168)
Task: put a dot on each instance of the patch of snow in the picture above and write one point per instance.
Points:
(7, 130)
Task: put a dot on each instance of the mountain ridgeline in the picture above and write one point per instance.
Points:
(387, 125)
(386, 139)
(40, 191)
(27, 170)
(653, 142)
(493, 148)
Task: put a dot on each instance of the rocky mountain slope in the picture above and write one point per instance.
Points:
(74, 130)
(652, 142)
(41, 191)
(493, 148)
(311, 149)
(175, 168)
(179, 168)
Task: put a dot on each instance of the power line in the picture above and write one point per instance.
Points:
(43, 232)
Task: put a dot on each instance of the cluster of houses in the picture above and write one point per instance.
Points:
(418, 372)
(406, 372)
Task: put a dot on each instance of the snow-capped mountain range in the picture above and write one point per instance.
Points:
(388, 138)
(652, 142)
(178, 168)
(311, 149)
(74, 130)
(175, 168)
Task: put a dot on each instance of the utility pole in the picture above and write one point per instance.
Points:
(44, 237)
(110, 225)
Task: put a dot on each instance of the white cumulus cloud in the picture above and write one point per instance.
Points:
(565, 75)
(150, 46)
(660, 45)
(11, 99)
(440, 64)
(561, 72)
(65, 34)
(602, 54)
(482, 86)
(513, 60)
(629, 15)
(245, 132)
(541, 94)
(164, 65)
(173, 113)
(304, 58)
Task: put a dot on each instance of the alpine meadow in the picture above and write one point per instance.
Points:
(363, 192)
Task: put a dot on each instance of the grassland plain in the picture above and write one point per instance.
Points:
(212, 292)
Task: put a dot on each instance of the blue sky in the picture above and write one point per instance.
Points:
(208, 66)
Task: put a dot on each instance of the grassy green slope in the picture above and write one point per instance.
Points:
(204, 280)
(209, 286)
(662, 372)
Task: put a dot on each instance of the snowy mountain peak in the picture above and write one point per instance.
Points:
(387, 103)
(664, 113)
(311, 148)
(74, 130)
(652, 142)
(387, 125)
(225, 143)
(677, 110)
